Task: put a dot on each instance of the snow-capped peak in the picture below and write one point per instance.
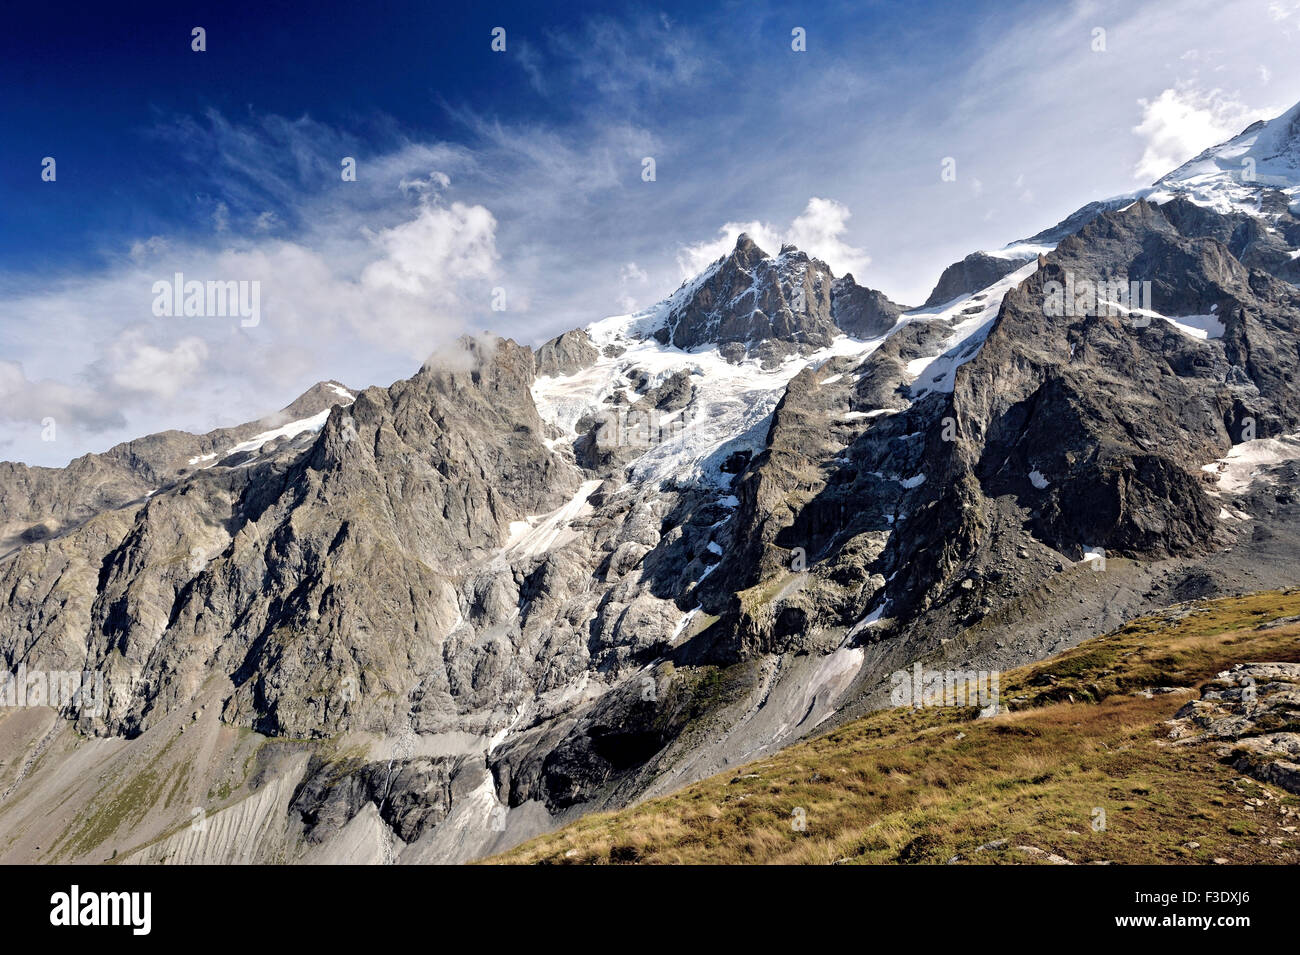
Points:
(753, 304)
(1236, 175)
(749, 297)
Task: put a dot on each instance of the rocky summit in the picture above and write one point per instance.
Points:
(751, 304)
(429, 621)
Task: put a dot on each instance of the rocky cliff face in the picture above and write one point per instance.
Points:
(36, 503)
(424, 622)
(978, 270)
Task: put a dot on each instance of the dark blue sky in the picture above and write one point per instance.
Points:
(89, 84)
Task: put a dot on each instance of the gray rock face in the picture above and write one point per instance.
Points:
(39, 503)
(1252, 242)
(752, 299)
(410, 795)
(978, 270)
(566, 354)
(862, 312)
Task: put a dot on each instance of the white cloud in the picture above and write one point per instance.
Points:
(28, 403)
(630, 274)
(1183, 121)
(819, 230)
(435, 249)
(642, 55)
(109, 370)
(427, 188)
(137, 365)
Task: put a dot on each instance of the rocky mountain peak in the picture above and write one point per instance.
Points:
(1273, 144)
(747, 250)
(1257, 172)
(754, 304)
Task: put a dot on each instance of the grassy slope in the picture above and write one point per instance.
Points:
(924, 786)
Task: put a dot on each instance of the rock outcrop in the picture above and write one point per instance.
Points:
(978, 270)
(565, 354)
(1253, 712)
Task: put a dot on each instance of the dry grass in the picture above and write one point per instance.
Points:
(924, 786)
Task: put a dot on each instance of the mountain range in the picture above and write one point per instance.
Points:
(426, 622)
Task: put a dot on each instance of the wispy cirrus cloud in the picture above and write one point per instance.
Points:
(626, 59)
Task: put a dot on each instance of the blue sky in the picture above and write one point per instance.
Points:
(521, 170)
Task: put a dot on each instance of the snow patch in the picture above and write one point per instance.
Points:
(539, 533)
(1200, 327)
(682, 625)
(1246, 461)
(729, 411)
(938, 373)
(340, 391)
(290, 430)
(870, 620)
